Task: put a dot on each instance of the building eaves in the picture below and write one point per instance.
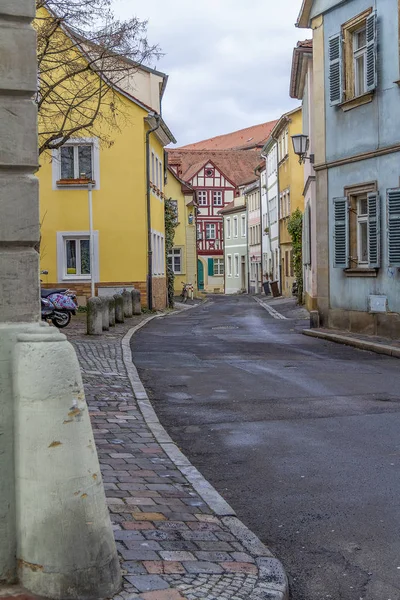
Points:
(301, 53)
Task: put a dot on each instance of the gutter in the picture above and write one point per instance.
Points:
(148, 202)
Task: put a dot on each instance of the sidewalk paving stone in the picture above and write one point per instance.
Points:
(171, 544)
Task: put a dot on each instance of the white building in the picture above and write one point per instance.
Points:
(270, 215)
(235, 246)
(253, 203)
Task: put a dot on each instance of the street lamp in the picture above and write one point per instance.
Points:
(301, 143)
(91, 246)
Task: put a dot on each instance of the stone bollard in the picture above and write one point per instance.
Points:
(111, 308)
(106, 313)
(127, 297)
(56, 463)
(136, 305)
(119, 308)
(94, 316)
(314, 319)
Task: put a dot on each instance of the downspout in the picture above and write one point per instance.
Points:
(148, 199)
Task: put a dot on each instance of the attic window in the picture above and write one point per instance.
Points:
(209, 172)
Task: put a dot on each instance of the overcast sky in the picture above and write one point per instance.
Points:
(228, 61)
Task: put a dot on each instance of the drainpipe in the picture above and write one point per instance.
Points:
(148, 198)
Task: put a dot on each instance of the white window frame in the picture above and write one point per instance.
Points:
(236, 264)
(202, 197)
(229, 265)
(228, 228)
(235, 227)
(158, 255)
(217, 198)
(171, 254)
(62, 274)
(199, 234)
(362, 220)
(243, 221)
(218, 262)
(214, 231)
(56, 164)
(357, 54)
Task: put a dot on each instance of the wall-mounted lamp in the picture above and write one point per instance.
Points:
(301, 143)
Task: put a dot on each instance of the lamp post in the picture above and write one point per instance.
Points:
(301, 143)
(91, 249)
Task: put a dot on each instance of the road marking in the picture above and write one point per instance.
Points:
(274, 313)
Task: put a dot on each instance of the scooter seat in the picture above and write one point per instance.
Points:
(47, 293)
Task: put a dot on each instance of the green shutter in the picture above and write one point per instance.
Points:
(372, 76)
(210, 267)
(393, 225)
(374, 230)
(341, 233)
(335, 70)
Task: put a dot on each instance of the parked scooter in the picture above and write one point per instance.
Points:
(58, 305)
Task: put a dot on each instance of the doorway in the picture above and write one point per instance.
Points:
(200, 274)
(243, 282)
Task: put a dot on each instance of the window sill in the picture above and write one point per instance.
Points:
(360, 272)
(357, 101)
(75, 182)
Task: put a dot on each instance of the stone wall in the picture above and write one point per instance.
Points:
(159, 293)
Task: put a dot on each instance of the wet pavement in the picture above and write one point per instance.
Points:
(299, 435)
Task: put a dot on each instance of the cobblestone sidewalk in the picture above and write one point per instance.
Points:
(171, 544)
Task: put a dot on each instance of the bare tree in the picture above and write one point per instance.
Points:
(85, 54)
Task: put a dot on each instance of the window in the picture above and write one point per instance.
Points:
(174, 208)
(218, 266)
(158, 253)
(157, 173)
(210, 231)
(236, 262)
(357, 228)
(77, 257)
(152, 167)
(202, 198)
(243, 220)
(229, 265)
(76, 162)
(175, 260)
(353, 61)
(393, 214)
(160, 177)
(235, 227)
(199, 232)
(228, 228)
(217, 198)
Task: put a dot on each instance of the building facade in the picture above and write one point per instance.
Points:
(357, 155)
(301, 87)
(290, 188)
(235, 246)
(253, 202)
(270, 213)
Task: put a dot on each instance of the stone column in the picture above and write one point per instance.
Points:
(45, 528)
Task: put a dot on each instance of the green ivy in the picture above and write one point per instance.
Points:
(295, 229)
(170, 226)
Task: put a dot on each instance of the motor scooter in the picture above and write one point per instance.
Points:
(57, 306)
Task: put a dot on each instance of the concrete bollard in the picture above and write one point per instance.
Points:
(94, 316)
(314, 319)
(119, 308)
(65, 543)
(136, 305)
(111, 308)
(127, 296)
(105, 313)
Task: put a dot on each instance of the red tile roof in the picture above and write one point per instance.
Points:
(237, 165)
(251, 137)
(305, 44)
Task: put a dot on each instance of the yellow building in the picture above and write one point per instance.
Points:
(128, 177)
(183, 256)
(291, 184)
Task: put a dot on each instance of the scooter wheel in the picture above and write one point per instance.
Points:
(61, 320)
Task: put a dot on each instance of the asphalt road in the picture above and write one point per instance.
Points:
(301, 436)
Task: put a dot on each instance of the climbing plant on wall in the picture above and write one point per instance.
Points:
(170, 226)
(295, 229)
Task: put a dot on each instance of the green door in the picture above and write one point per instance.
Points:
(200, 274)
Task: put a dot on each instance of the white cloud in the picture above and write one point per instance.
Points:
(228, 61)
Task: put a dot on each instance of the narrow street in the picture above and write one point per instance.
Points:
(299, 435)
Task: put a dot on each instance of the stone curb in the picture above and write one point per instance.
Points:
(349, 341)
(274, 313)
(272, 574)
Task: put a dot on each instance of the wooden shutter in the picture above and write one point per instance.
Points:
(372, 46)
(374, 229)
(341, 233)
(210, 267)
(335, 70)
(393, 225)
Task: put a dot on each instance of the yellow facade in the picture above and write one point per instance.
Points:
(291, 184)
(184, 254)
(120, 222)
